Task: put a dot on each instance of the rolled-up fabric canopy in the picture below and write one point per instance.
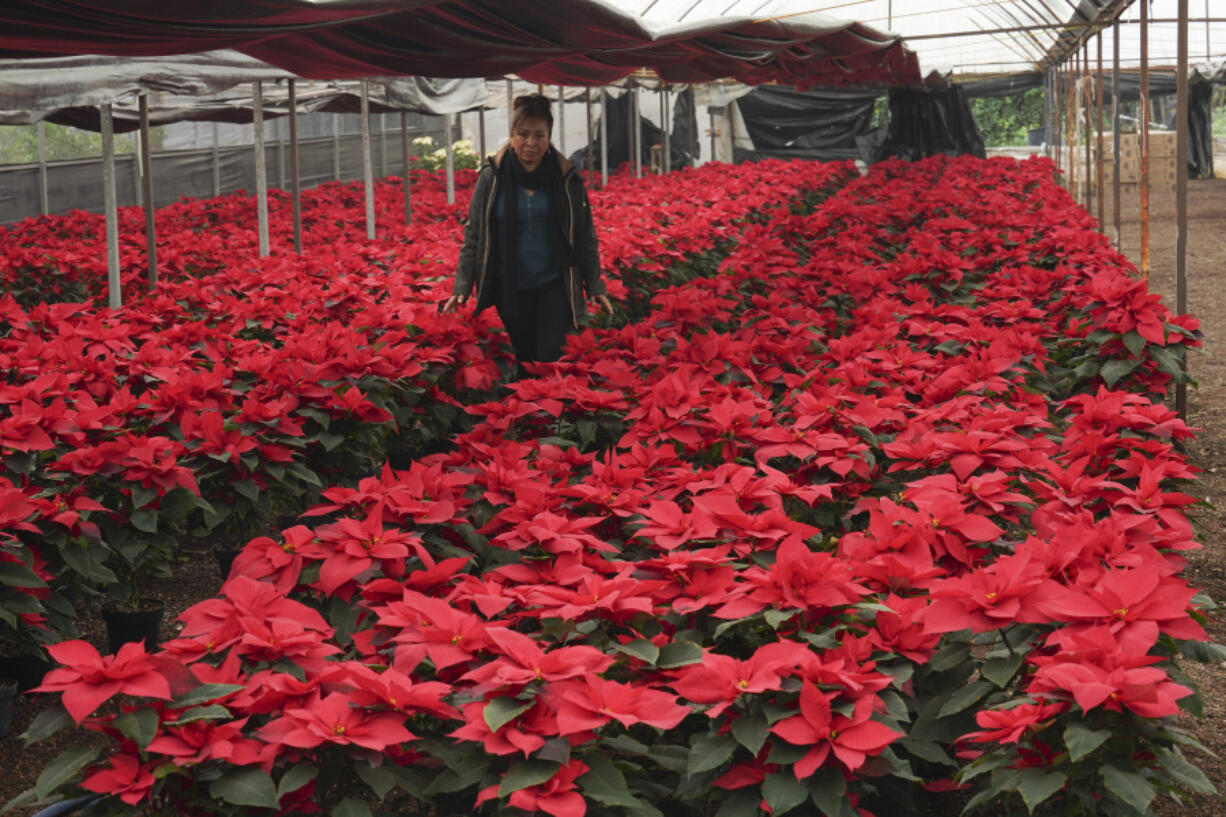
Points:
(581, 42)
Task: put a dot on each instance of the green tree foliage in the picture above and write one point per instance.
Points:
(19, 144)
(1004, 121)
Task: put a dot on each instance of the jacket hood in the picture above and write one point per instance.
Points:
(566, 164)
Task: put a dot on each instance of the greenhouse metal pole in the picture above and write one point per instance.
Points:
(1085, 107)
(44, 200)
(295, 187)
(637, 125)
(481, 133)
(561, 120)
(630, 129)
(1098, 157)
(1143, 116)
(591, 165)
(110, 206)
(711, 117)
(280, 155)
(216, 160)
(510, 103)
(1071, 126)
(1115, 128)
(146, 173)
(408, 176)
(1057, 138)
(261, 167)
(604, 137)
(665, 153)
(368, 170)
(1181, 189)
(450, 159)
(336, 146)
(382, 145)
(137, 189)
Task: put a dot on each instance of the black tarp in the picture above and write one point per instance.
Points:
(930, 122)
(683, 142)
(619, 149)
(816, 124)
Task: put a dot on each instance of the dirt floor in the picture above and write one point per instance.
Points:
(1207, 411)
(1206, 277)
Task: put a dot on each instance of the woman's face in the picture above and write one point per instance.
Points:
(530, 140)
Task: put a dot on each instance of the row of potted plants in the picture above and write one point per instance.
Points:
(883, 508)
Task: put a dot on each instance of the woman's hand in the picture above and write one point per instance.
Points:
(452, 303)
(604, 303)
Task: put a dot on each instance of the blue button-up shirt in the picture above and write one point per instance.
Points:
(533, 249)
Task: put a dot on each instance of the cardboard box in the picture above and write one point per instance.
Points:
(1162, 143)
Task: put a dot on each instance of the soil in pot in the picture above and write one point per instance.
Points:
(140, 622)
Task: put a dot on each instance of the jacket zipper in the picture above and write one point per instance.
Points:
(570, 206)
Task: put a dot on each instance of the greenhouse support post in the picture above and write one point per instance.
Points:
(261, 166)
(1086, 102)
(630, 128)
(481, 132)
(604, 137)
(562, 120)
(382, 145)
(408, 176)
(1181, 189)
(1098, 156)
(146, 174)
(591, 167)
(44, 204)
(110, 206)
(1143, 127)
(510, 103)
(1057, 137)
(336, 147)
(636, 126)
(280, 129)
(295, 184)
(216, 160)
(134, 138)
(1071, 126)
(450, 153)
(368, 170)
(1115, 128)
(665, 152)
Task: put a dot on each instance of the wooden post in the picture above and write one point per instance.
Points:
(408, 175)
(450, 161)
(44, 199)
(604, 137)
(146, 173)
(336, 146)
(114, 284)
(1143, 116)
(295, 186)
(216, 160)
(591, 167)
(1181, 188)
(1098, 156)
(368, 170)
(562, 120)
(1115, 128)
(261, 167)
(1086, 102)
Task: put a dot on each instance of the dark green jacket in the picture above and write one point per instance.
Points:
(475, 267)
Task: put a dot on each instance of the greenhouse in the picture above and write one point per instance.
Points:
(844, 439)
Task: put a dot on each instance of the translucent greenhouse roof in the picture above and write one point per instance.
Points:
(984, 36)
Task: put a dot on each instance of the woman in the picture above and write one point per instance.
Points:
(529, 245)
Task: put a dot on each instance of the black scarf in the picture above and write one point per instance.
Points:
(546, 177)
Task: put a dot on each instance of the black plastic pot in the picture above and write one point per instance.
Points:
(27, 670)
(225, 560)
(8, 691)
(141, 624)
